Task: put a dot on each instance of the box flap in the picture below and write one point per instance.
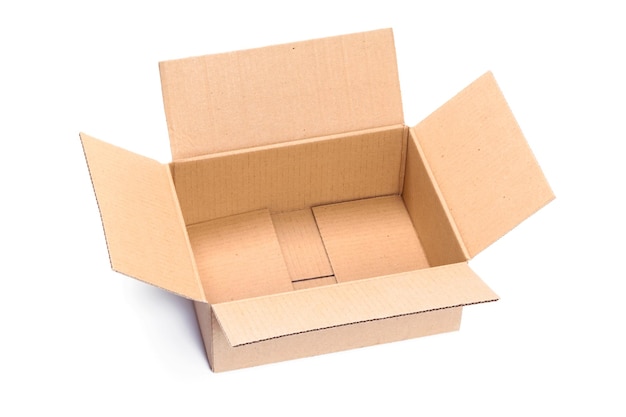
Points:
(482, 164)
(281, 93)
(369, 238)
(301, 244)
(263, 318)
(239, 257)
(144, 227)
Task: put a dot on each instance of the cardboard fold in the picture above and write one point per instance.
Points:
(263, 318)
(482, 164)
(142, 221)
(281, 93)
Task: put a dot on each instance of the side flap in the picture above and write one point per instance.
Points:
(281, 93)
(143, 224)
(257, 319)
(482, 164)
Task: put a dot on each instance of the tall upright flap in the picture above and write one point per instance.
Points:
(144, 228)
(482, 164)
(281, 93)
(257, 319)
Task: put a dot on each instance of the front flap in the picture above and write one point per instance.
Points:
(482, 164)
(257, 319)
(144, 228)
(281, 93)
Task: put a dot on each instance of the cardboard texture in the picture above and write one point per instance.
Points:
(370, 237)
(281, 93)
(145, 232)
(300, 214)
(239, 257)
(302, 246)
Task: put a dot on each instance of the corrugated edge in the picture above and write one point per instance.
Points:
(95, 194)
(264, 318)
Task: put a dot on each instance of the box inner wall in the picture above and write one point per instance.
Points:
(291, 176)
(311, 214)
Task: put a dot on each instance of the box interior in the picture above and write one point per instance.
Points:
(315, 212)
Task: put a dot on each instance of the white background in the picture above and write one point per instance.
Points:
(78, 339)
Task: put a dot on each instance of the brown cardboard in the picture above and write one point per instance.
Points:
(138, 207)
(300, 214)
(428, 210)
(281, 93)
(239, 257)
(484, 168)
(369, 238)
(302, 246)
(284, 178)
(223, 356)
(263, 318)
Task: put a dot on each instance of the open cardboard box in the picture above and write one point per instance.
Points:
(300, 214)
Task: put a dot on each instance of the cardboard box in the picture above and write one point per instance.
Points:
(300, 214)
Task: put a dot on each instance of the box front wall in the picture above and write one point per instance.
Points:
(226, 357)
(292, 177)
(258, 319)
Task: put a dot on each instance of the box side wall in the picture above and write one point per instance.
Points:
(331, 340)
(427, 210)
(291, 177)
